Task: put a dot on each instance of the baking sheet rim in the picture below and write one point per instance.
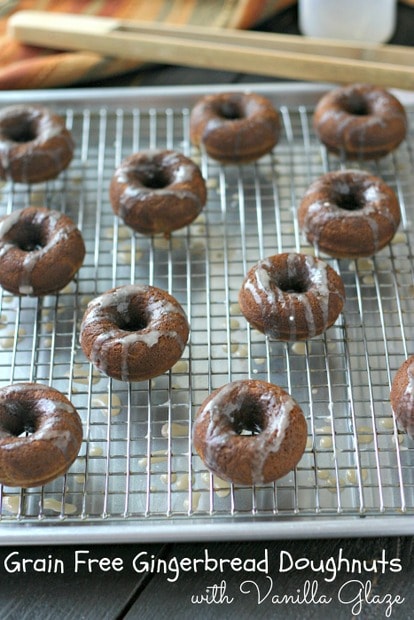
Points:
(210, 528)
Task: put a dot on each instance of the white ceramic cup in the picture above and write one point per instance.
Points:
(360, 20)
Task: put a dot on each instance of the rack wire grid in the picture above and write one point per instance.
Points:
(137, 476)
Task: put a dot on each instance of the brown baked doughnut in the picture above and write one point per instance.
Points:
(53, 434)
(234, 128)
(40, 251)
(360, 121)
(157, 191)
(250, 432)
(349, 213)
(402, 396)
(134, 332)
(35, 145)
(291, 296)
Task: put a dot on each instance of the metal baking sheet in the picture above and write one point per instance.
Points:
(137, 477)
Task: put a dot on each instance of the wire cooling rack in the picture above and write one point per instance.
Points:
(137, 476)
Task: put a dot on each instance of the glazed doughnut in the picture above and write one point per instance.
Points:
(349, 214)
(35, 145)
(234, 128)
(133, 332)
(291, 296)
(402, 396)
(360, 121)
(53, 434)
(250, 432)
(157, 191)
(40, 251)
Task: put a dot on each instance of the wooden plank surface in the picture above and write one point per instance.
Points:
(295, 571)
(70, 582)
(342, 579)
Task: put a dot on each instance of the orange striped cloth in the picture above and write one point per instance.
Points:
(23, 66)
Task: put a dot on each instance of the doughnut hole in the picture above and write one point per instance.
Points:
(134, 319)
(21, 128)
(249, 419)
(297, 282)
(229, 110)
(349, 200)
(27, 236)
(357, 105)
(151, 176)
(21, 420)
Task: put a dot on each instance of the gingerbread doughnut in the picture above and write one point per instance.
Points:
(360, 121)
(157, 191)
(134, 332)
(53, 434)
(250, 432)
(349, 213)
(35, 145)
(40, 251)
(291, 296)
(235, 128)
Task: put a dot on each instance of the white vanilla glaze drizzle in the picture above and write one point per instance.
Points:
(409, 391)
(5, 148)
(225, 405)
(344, 121)
(143, 192)
(12, 503)
(51, 503)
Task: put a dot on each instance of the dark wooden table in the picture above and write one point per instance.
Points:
(324, 578)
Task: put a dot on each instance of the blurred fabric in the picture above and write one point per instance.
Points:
(28, 67)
